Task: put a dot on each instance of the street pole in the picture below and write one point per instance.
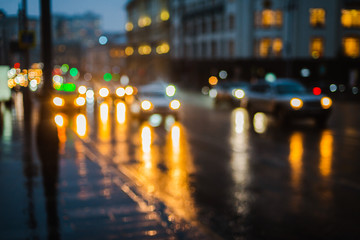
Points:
(46, 47)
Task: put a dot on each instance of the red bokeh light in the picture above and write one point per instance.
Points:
(17, 65)
(317, 91)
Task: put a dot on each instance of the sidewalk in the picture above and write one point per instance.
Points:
(70, 196)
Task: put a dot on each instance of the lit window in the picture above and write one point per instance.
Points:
(351, 47)
(316, 47)
(269, 18)
(317, 17)
(350, 18)
(264, 48)
(277, 46)
(270, 47)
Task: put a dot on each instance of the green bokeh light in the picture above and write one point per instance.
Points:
(107, 77)
(74, 72)
(69, 87)
(65, 68)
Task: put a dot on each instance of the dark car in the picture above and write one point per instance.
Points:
(230, 92)
(287, 99)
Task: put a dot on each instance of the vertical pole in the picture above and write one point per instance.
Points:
(46, 46)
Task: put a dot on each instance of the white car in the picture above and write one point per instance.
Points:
(155, 98)
(287, 99)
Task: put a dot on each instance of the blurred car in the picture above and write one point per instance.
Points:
(229, 92)
(68, 101)
(155, 98)
(287, 99)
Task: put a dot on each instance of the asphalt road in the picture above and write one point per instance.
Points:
(238, 177)
(213, 174)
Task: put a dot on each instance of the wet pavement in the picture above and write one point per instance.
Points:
(214, 174)
(56, 188)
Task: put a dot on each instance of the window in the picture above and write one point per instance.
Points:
(317, 17)
(213, 48)
(350, 18)
(231, 22)
(231, 48)
(316, 47)
(204, 30)
(269, 47)
(351, 47)
(277, 47)
(213, 24)
(269, 18)
(264, 47)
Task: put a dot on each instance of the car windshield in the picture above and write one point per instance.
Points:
(152, 94)
(290, 88)
(232, 85)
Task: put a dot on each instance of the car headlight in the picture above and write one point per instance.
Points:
(80, 101)
(213, 93)
(326, 102)
(238, 93)
(104, 92)
(120, 91)
(82, 89)
(296, 103)
(146, 105)
(170, 90)
(129, 90)
(58, 101)
(175, 104)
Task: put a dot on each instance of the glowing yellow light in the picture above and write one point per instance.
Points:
(295, 158)
(175, 138)
(144, 22)
(260, 122)
(121, 112)
(58, 101)
(120, 92)
(163, 48)
(59, 120)
(129, 90)
(144, 50)
(129, 26)
(351, 47)
(82, 89)
(80, 101)
(129, 51)
(326, 102)
(104, 92)
(296, 103)
(175, 104)
(213, 80)
(164, 15)
(146, 105)
(326, 152)
(81, 125)
(104, 112)
(146, 139)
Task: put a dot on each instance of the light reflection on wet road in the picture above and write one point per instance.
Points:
(236, 176)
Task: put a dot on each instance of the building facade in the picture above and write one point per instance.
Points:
(249, 38)
(148, 35)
